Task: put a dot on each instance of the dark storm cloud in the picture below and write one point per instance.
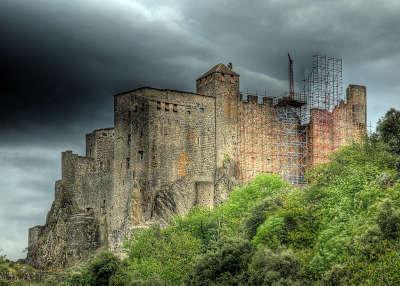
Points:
(61, 61)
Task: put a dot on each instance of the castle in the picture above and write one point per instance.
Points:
(171, 150)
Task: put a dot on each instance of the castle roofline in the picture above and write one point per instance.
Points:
(103, 129)
(219, 68)
(357, 85)
(154, 88)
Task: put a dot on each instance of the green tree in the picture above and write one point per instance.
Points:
(279, 267)
(388, 129)
(225, 265)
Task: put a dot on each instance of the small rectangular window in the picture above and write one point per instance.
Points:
(166, 106)
(141, 155)
(175, 108)
(158, 105)
(127, 163)
(129, 139)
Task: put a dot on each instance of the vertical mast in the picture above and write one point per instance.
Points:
(291, 81)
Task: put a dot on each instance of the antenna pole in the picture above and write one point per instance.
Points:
(291, 81)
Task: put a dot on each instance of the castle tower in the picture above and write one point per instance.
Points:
(356, 97)
(222, 83)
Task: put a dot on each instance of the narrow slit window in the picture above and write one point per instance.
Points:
(141, 155)
(128, 163)
(129, 139)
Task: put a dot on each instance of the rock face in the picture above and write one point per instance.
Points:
(168, 152)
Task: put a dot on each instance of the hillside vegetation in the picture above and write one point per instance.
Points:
(342, 229)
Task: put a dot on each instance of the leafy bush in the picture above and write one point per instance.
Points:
(225, 265)
(161, 254)
(388, 220)
(279, 267)
(98, 271)
(388, 129)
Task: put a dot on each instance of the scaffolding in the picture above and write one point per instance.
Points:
(323, 92)
(304, 121)
(289, 138)
(304, 127)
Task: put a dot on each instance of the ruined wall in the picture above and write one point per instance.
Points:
(346, 123)
(164, 144)
(269, 139)
(76, 224)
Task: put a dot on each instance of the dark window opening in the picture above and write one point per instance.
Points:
(129, 139)
(141, 155)
(201, 109)
(127, 163)
(166, 107)
(135, 108)
(141, 133)
(175, 108)
(101, 165)
(188, 112)
(142, 107)
(104, 134)
(158, 105)
(129, 116)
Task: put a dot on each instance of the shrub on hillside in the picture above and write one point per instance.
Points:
(280, 267)
(99, 271)
(225, 265)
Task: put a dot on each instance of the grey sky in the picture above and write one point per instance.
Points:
(61, 62)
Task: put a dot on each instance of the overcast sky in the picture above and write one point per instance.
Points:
(61, 62)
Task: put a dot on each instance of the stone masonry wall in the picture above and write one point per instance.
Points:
(164, 144)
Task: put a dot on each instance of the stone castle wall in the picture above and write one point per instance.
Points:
(170, 151)
(164, 156)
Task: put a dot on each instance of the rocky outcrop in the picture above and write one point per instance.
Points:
(68, 236)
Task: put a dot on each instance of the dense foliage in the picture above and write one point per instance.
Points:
(388, 129)
(342, 229)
